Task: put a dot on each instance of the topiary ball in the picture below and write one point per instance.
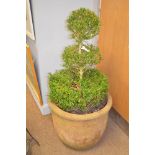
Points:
(84, 24)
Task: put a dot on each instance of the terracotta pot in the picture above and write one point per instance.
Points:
(80, 131)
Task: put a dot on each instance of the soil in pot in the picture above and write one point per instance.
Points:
(90, 108)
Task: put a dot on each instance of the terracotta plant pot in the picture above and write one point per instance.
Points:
(80, 131)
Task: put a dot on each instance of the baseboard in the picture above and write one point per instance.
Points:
(44, 109)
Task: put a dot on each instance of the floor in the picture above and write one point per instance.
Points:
(113, 142)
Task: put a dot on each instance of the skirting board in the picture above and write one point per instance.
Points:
(44, 109)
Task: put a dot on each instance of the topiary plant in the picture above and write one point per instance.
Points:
(80, 87)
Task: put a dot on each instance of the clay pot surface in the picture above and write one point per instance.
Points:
(80, 131)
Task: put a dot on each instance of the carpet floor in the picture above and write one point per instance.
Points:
(113, 142)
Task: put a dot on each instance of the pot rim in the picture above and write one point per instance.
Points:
(79, 117)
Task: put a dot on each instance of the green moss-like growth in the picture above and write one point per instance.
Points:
(80, 85)
(84, 24)
(73, 59)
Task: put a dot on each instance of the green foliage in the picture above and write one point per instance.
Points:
(79, 85)
(94, 86)
(69, 93)
(75, 60)
(84, 24)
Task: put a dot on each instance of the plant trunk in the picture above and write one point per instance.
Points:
(81, 69)
(81, 73)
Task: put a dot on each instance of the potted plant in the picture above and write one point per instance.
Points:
(78, 94)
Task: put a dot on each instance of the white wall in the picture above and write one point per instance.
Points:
(49, 18)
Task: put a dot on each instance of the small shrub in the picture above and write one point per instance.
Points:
(79, 84)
